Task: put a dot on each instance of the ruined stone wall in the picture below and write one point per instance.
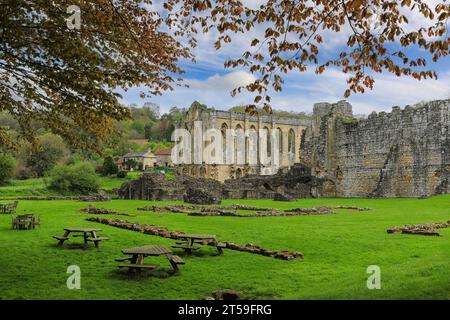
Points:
(405, 153)
(288, 153)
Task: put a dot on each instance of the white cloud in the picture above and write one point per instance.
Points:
(301, 90)
(220, 83)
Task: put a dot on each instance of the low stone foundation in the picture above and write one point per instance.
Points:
(164, 232)
(293, 212)
(231, 211)
(421, 229)
(93, 210)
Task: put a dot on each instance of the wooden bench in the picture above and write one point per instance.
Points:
(133, 266)
(96, 240)
(220, 246)
(61, 238)
(123, 259)
(175, 261)
(187, 248)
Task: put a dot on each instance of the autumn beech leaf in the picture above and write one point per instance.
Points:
(64, 79)
(355, 5)
(295, 32)
(254, 42)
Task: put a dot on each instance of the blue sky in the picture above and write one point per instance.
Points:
(210, 83)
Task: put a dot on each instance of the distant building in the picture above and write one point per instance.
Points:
(139, 160)
(163, 157)
(120, 164)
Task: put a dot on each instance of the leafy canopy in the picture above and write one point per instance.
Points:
(66, 78)
(379, 36)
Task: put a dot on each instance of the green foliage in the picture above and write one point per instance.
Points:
(132, 164)
(65, 76)
(277, 113)
(109, 166)
(347, 120)
(148, 131)
(122, 174)
(37, 161)
(160, 145)
(77, 178)
(7, 166)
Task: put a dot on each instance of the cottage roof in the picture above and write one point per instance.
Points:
(144, 154)
(164, 152)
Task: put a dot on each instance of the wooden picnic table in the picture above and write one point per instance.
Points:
(88, 234)
(24, 222)
(136, 257)
(8, 207)
(191, 239)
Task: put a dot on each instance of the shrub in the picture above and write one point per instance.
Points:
(79, 178)
(109, 167)
(7, 167)
(122, 174)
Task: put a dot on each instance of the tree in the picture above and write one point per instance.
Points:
(42, 157)
(7, 166)
(109, 166)
(64, 76)
(379, 36)
(148, 131)
(153, 110)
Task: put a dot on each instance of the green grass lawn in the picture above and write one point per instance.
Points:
(337, 249)
(38, 187)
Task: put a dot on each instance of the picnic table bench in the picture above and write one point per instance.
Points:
(190, 239)
(25, 221)
(136, 256)
(88, 234)
(8, 207)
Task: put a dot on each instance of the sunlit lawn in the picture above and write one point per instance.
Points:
(337, 249)
(38, 187)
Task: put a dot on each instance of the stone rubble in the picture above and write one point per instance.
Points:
(93, 210)
(352, 208)
(282, 197)
(226, 295)
(428, 229)
(200, 196)
(164, 232)
(173, 209)
(101, 196)
(231, 211)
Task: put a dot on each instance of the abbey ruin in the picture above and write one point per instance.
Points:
(404, 153)
(289, 132)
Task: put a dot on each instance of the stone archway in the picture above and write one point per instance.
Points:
(239, 173)
(202, 172)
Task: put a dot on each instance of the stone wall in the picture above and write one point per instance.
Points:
(290, 131)
(404, 153)
(296, 182)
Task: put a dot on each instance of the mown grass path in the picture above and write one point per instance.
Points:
(337, 249)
